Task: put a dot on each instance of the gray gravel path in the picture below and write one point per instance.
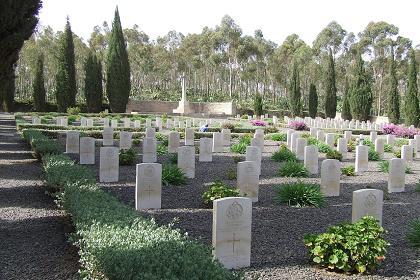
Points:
(278, 251)
(33, 241)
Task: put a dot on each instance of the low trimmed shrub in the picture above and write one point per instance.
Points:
(237, 158)
(161, 149)
(173, 175)
(239, 148)
(388, 148)
(334, 154)
(172, 158)
(228, 125)
(397, 153)
(293, 169)
(279, 137)
(218, 190)
(348, 170)
(283, 154)
(373, 155)
(127, 157)
(384, 167)
(358, 247)
(413, 234)
(300, 195)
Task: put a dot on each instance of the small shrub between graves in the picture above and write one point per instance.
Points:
(172, 175)
(279, 137)
(239, 148)
(397, 153)
(351, 145)
(73, 110)
(373, 155)
(384, 167)
(300, 195)
(413, 235)
(283, 154)
(388, 148)
(334, 154)
(161, 149)
(231, 174)
(368, 143)
(348, 170)
(136, 142)
(218, 190)
(127, 157)
(237, 158)
(358, 247)
(293, 169)
(172, 158)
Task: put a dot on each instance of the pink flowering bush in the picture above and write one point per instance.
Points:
(258, 123)
(400, 131)
(298, 125)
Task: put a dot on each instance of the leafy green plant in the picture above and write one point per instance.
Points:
(351, 145)
(172, 175)
(136, 142)
(300, 194)
(384, 167)
(368, 143)
(293, 169)
(127, 156)
(279, 137)
(358, 247)
(373, 155)
(334, 154)
(397, 153)
(161, 149)
(173, 158)
(231, 174)
(239, 148)
(73, 110)
(400, 142)
(348, 170)
(388, 148)
(283, 154)
(246, 139)
(218, 190)
(413, 234)
(237, 158)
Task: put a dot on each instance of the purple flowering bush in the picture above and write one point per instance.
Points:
(400, 131)
(258, 123)
(298, 125)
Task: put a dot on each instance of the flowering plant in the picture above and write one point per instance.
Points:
(400, 131)
(258, 123)
(298, 125)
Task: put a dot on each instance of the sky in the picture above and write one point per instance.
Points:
(277, 19)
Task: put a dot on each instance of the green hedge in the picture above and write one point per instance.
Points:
(117, 243)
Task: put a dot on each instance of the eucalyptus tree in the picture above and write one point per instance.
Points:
(393, 109)
(412, 111)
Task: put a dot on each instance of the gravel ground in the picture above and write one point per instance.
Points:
(278, 251)
(33, 243)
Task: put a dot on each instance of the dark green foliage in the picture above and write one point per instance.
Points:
(240, 147)
(330, 89)
(65, 90)
(258, 105)
(279, 137)
(358, 247)
(231, 174)
(413, 235)
(313, 101)
(384, 167)
(172, 175)
(128, 157)
(117, 68)
(173, 158)
(293, 169)
(373, 155)
(360, 92)
(41, 144)
(345, 111)
(38, 86)
(283, 154)
(295, 102)
(237, 158)
(218, 190)
(348, 170)
(161, 149)
(300, 195)
(73, 110)
(334, 154)
(393, 110)
(388, 148)
(93, 83)
(18, 19)
(412, 110)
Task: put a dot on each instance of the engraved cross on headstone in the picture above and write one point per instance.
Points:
(233, 242)
(148, 189)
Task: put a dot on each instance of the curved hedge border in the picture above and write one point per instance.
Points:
(114, 241)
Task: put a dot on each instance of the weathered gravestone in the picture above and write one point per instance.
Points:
(253, 153)
(109, 164)
(126, 140)
(189, 137)
(148, 186)
(108, 136)
(367, 202)
(330, 177)
(186, 160)
(173, 142)
(72, 142)
(248, 179)
(150, 132)
(206, 153)
(396, 176)
(226, 135)
(362, 159)
(380, 146)
(87, 150)
(311, 159)
(301, 143)
(231, 233)
(217, 142)
(407, 152)
(114, 123)
(149, 150)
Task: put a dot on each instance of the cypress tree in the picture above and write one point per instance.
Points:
(313, 101)
(66, 90)
(117, 68)
(93, 83)
(38, 86)
(331, 90)
(412, 111)
(345, 113)
(294, 93)
(258, 105)
(360, 98)
(393, 109)
(18, 19)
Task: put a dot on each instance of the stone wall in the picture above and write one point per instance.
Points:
(206, 108)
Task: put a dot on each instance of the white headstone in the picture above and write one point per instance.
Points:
(253, 153)
(127, 123)
(226, 135)
(89, 122)
(348, 134)
(367, 202)
(189, 137)
(248, 179)
(108, 136)
(390, 139)
(417, 145)
(149, 150)
(137, 123)
(396, 177)
(126, 140)
(407, 152)
(87, 150)
(330, 177)
(109, 164)
(362, 159)
(149, 123)
(231, 234)
(186, 160)
(105, 122)
(320, 135)
(293, 142)
(380, 146)
(311, 159)
(150, 132)
(173, 142)
(72, 142)
(114, 123)
(206, 153)
(217, 142)
(342, 146)
(301, 143)
(289, 137)
(148, 186)
(373, 136)
(330, 139)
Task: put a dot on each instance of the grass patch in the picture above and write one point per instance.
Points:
(172, 175)
(127, 157)
(283, 154)
(348, 170)
(334, 154)
(300, 195)
(293, 169)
